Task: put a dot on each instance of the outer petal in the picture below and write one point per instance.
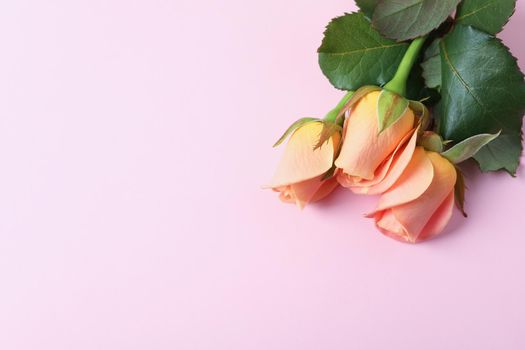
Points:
(326, 188)
(389, 172)
(387, 223)
(415, 215)
(304, 192)
(439, 220)
(360, 185)
(364, 149)
(300, 162)
(414, 181)
(400, 162)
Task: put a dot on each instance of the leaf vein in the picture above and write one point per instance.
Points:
(366, 49)
(475, 11)
(459, 77)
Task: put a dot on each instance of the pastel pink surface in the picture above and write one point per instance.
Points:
(134, 138)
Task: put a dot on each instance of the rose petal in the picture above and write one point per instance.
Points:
(391, 170)
(364, 149)
(398, 166)
(300, 162)
(387, 223)
(413, 182)
(415, 215)
(439, 220)
(308, 191)
(326, 188)
(360, 185)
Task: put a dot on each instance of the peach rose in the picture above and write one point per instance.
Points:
(299, 175)
(419, 205)
(370, 162)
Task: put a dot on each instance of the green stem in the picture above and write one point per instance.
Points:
(332, 115)
(398, 84)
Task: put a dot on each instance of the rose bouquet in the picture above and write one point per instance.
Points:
(428, 86)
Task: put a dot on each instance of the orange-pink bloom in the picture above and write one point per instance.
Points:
(419, 205)
(370, 162)
(299, 175)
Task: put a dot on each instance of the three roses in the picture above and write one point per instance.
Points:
(416, 184)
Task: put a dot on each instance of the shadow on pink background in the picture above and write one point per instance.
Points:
(134, 138)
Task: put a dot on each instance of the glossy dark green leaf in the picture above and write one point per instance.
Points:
(483, 91)
(502, 153)
(390, 107)
(432, 66)
(353, 54)
(408, 19)
(487, 15)
(367, 6)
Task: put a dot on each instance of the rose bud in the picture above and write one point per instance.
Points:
(301, 174)
(372, 159)
(419, 205)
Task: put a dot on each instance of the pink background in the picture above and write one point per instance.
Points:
(134, 137)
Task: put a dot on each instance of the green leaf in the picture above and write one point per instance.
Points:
(390, 107)
(482, 92)
(297, 124)
(502, 153)
(409, 19)
(432, 66)
(487, 15)
(367, 6)
(353, 54)
(468, 148)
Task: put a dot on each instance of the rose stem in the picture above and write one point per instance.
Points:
(398, 84)
(332, 115)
